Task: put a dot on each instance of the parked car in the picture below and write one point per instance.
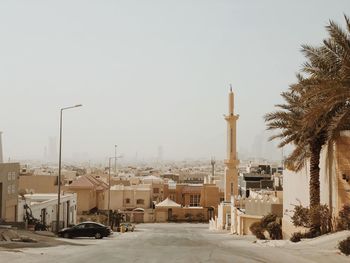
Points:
(86, 229)
(128, 227)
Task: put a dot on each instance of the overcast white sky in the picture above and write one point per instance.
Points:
(148, 73)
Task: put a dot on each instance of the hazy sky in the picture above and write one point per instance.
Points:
(148, 73)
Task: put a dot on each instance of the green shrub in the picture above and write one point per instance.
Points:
(274, 230)
(296, 237)
(343, 221)
(257, 230)
(344, 246)
(266, 220)
(302, 217)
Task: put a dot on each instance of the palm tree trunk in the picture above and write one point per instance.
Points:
(314, 186)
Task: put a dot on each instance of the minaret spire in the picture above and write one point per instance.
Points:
(231, 162)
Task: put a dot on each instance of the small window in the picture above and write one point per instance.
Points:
(195, 200)
(13, 188)
(140, 201)
(9, 189)
(127, 200)
(9, 176)
(14, 176)
(156, 190)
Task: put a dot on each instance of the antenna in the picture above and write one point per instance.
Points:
(230, 87)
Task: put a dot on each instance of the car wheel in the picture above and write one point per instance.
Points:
(98, 235)
(66, 235)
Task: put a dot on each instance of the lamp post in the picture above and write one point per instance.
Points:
(109, 190)
(115, 159)
(59, 168)
(109, 183)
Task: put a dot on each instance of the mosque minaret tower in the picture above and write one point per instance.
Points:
(231, 161)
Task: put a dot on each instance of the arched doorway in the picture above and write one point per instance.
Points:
(211, 213)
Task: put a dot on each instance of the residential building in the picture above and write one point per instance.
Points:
(9, 173)
(91, 193)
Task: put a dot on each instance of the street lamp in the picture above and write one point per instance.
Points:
(109, 183)
(59, 168)
(115, 159)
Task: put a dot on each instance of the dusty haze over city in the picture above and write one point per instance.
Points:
(148, 73)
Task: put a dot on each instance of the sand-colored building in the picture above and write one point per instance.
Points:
(129, 197)
(9, 173)
(91, 193)
(194, 202)
(334, 182)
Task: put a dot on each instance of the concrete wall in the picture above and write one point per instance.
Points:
(197, 213)
(86, 199)
(38, 183)
(335, 191)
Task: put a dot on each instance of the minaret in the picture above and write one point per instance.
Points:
(1, 154)
(231, 174)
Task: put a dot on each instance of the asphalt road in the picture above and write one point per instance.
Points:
(171, 243)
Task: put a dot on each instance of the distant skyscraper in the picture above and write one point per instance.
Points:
(1, 153)
(160, 154)
(52, 150)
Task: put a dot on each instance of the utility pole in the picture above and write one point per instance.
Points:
(212, 169)
(115, 159)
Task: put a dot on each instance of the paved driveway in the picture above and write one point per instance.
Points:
(172, 243)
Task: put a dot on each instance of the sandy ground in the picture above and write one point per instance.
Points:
(180, 243)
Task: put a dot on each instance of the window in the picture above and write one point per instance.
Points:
(14, 176)
(156, 190)
(9, 176)
(127, 200)
(231, 188)
(195, 200)
(9, 189)
(140, 201)
(13, 188)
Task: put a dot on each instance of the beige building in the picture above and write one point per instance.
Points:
(91, 193)
(9, 173)
(129, 197)
(192, 202)
(334, 182)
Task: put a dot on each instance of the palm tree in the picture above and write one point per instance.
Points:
(319, 108)
(307, 140)
(328, 68)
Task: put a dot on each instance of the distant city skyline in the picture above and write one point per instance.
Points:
(149, 73)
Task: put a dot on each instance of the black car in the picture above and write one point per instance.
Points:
(86, 229)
